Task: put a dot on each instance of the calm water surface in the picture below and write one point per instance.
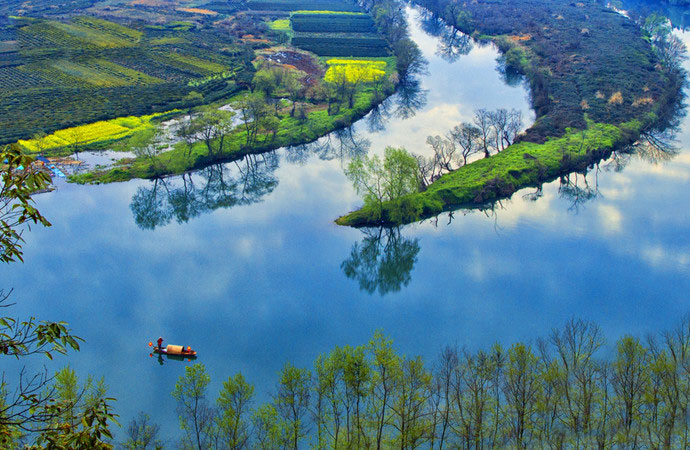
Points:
(265, 281)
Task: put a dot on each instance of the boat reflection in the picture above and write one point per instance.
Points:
(162, 359)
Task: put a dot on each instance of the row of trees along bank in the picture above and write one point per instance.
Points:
(567, 390)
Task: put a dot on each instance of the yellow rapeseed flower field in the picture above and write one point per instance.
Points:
(354, 70)
(90, 134)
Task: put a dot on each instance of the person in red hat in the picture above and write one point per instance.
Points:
(160, 343)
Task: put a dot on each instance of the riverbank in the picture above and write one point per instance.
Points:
(289, 128)
(590, 96)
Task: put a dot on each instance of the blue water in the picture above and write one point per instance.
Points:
(260, 283)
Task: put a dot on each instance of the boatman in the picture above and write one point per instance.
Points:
(160, 343)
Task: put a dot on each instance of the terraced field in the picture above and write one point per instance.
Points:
(297, 5)
(58, 74)
(327, 28)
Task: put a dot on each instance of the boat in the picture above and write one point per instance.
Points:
(56, 171)
(175, 350)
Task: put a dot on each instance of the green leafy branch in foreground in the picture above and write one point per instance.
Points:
(20, 179)
(52, 411)
(33, 406)
(567, 390)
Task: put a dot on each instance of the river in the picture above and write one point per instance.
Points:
(265, 276)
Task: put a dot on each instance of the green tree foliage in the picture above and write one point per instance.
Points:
(268, 432)
(20, 179)
(382, 180)
(292, 402)
(148, 146)
(195, 414)
(142, 433)
(212, 126)
(81, 414)
(253, 111)
(233, 412)
(563, 392)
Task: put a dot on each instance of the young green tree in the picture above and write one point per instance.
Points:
(233, 410)
(630, 380)
(521, 388)
(472, 398)
(147, 145)
(329, 388)
(292, 403)
(379, 180)
(442, 395)
(211, 126)
(386, 374)
(194, 412)
(142, 433)
(80, 415)
(253, 110)
(409, 404)
(356, 377)
(268, 429)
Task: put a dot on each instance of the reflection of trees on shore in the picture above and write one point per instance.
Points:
(410, 98)
(653, 147)
(508, 73)
(452, 43)
(342, 144)
(217, 186)
(383, 261)
(578, 188)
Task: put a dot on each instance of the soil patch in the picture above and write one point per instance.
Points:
(299, 61)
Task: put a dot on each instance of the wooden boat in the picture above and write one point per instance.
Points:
(175, 350)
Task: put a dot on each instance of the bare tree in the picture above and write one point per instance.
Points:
(466, 136)
(499, 122)
(444, 152)
(513, 127)
(142, 433)
(482, 119)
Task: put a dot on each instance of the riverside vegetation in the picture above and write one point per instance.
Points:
(590, 94)
(568, 389)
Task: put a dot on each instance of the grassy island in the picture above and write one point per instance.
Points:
(597, 81)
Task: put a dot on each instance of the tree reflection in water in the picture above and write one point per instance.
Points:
(383, 261)
(216, 186)
(452, 43)
(343, 144)
(410, 98)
